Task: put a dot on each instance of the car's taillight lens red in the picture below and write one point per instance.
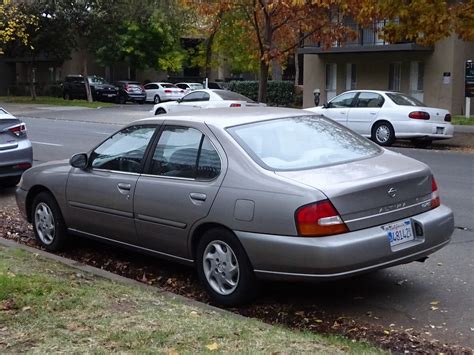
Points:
(435, 200)
(168, 91)
(447, 118)
(419, 115)
(319, 219)
(18, 130)
(235, 105)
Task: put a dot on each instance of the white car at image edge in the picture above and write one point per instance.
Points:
(205, 98)
(385, 116)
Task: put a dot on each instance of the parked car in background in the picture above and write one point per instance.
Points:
(385, 116)
(130, 91)
(158, 92)
(188, 87)
(16, 153)
(248, 194)
(215, 85)
(74, 88)
(205, 98)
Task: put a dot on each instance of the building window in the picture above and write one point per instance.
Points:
(394, 76)
(351, 78)
(331, 79)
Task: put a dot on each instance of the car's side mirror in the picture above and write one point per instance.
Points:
(179, 101)
(326, 105)
(79, 161)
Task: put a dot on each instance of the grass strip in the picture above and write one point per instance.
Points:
(54, 101)
(48, 307)
(463, 120)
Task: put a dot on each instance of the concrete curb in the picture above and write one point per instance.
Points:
(119, 279)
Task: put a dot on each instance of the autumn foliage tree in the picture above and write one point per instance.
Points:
(13, 25)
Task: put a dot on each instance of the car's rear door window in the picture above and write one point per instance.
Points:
(369, 99)
(184, 152)
(304, 142)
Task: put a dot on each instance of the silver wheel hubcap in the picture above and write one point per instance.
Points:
(44, 223)
(382, 134)
(221, 267)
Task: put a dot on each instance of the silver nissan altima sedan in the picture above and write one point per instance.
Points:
(243, 194)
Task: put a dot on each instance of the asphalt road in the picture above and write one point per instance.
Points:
(436, 297)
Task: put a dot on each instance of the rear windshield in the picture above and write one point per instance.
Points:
(169, 86)
(196, 86)
(404, 100)
(97, 80)
(230, 95)
(298, 143)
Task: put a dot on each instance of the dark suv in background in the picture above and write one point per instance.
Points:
(74, 88)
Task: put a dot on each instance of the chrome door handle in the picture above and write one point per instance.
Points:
(197, 196)
(124, 186)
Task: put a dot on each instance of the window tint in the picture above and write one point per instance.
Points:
(151, 86)
(304, 142)
(168, 86)
(404, 100)
(185, 152)
(182, 86)
(344, 100)
(230, 95)
(196, 96)
(123, 151)
(369, 99)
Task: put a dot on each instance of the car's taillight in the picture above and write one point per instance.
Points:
(435, 200)
(235, 105)
(127, 87)
(168, 91)
(319, 219)
(22, 166)
(419, 115)
(447, 118)
(18, 129)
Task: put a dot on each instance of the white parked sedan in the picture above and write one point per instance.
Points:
(158, 92)
(205, 98)
(188, 87)
(385, 116)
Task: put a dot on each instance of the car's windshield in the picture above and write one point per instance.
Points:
(196, 86)
(96, 80)
(230, 95)
(169, 86)
(303, 142)
(404, 100)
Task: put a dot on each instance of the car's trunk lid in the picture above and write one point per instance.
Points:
(436, 114)
(373, 191)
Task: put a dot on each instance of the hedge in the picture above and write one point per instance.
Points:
(279, 93)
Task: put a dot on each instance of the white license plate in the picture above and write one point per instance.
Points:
(110, 95)
(399, 232)
(439, 130)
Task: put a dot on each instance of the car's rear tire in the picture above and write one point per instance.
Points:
(48, 223)
(224, 269)
(421, 143)
(383, 133)
(156, 99)
(160, 111)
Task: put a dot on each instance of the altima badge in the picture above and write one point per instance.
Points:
(392, 192)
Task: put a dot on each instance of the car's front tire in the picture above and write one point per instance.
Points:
(48, 223)
(224, 268)
(383, 133)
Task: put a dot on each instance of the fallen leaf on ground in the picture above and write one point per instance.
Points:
(212, 346)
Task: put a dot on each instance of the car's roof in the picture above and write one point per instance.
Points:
(187, 83)
(369, 90)
(227, 117)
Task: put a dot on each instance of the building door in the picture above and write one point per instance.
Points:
(417, 74)
(331, 79)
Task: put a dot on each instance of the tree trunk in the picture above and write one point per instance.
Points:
(263, 84)
(86, 82)
(31, 80)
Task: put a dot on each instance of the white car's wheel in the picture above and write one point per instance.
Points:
(383, 133)
(156, 99)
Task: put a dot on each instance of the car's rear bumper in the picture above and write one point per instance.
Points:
(13, 162)
(423, 129)
(297, 258)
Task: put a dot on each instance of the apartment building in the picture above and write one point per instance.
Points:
(434, 74)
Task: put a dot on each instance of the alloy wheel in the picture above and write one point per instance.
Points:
(44, 223)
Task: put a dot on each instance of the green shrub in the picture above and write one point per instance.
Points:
(279, 93)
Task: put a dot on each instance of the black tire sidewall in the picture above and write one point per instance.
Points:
(156, 99)
(391, 139)
(60, 237)
(247, 287)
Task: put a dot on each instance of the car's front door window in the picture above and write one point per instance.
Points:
(344, 100)
(124, 151)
